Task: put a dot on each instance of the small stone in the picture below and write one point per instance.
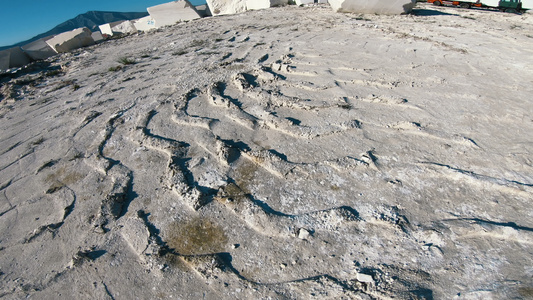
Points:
(303, 233)
(276, 67)
(364, 278)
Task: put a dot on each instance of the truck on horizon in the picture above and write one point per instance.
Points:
(511, 6)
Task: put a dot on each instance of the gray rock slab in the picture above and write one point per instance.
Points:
(203, 10)
(97, 36)
(13, 58)
(39, 49)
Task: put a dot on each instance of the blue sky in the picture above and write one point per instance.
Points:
(24, 19)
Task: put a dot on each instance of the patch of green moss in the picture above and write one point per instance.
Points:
(526, 292)
(196, 236)
(245, 174)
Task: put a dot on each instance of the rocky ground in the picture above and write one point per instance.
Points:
(290, 153)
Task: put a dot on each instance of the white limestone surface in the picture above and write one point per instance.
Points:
(226, 7)
(106, 29)
(527, 4)
(262, 4)
(172, 12)
(286, 153)
(491, 3)
(144, 24)
(118, 27)
(71, 40)
(389, 7)
(123, 27)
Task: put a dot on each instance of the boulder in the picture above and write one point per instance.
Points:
(13, 58)
(106, 30)
(226, 7)
(123, 27)
(389, 7)
(262, 4)
(144, 24)
(361, 277)
(203, 10)
(97, 37)
(39, 49)
(172, 12)
(77, 38)
(117, 28)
